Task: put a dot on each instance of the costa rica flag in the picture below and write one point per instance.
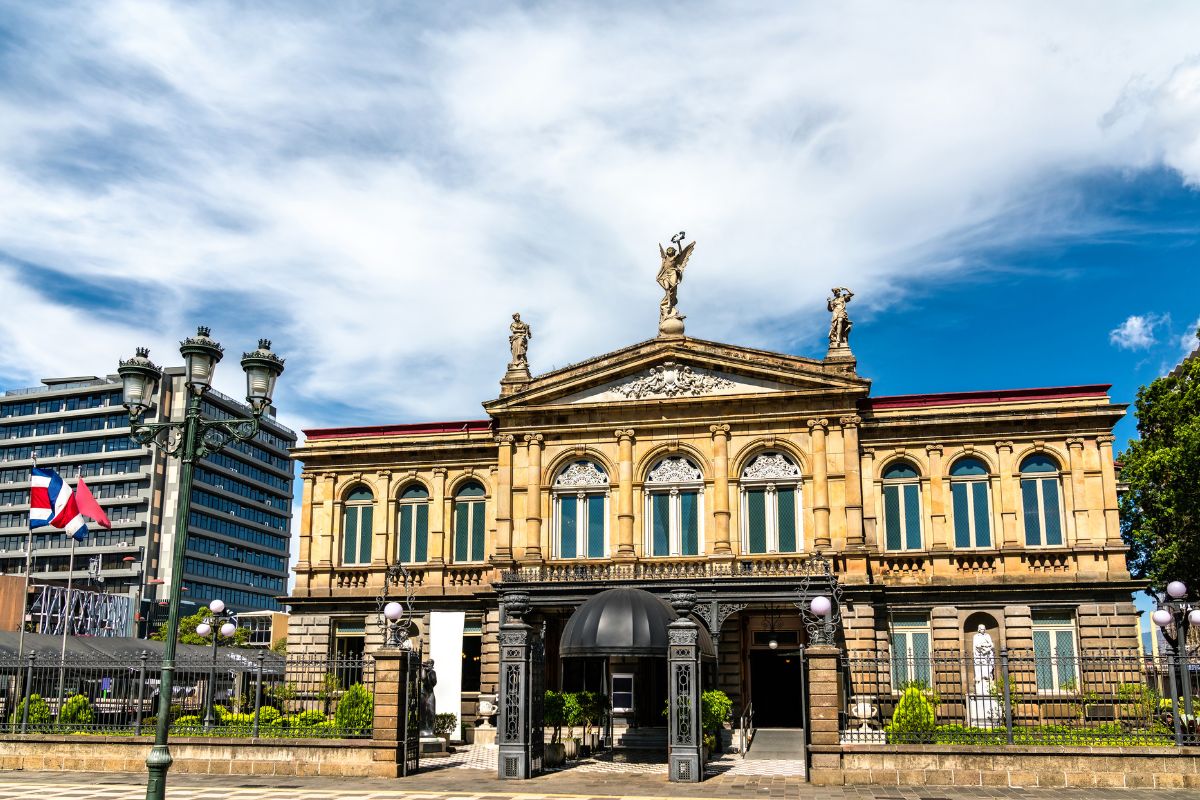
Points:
(52, 503)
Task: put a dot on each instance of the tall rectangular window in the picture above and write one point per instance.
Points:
(1054, 653)
(902, 516)
(675, 523)
(1043, 517)
(911, 637)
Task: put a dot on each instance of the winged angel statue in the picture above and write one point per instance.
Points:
(670, 274)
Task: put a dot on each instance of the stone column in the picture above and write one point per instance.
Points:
(1108, 477)
(533, 498)
(625, 494)
(329, 555)
(817, 429)
(515, 728)
(685, 737)
(937, 500)
(437, 518)
(854, 489)
(393, 679)
(504, 476)
(1078, 492)
(824, 703)
(720, 437)
(383, 541)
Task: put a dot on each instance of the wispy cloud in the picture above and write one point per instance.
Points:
(378, 187)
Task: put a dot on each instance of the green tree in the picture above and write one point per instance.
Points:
(1160, 512)
(188, 635)
(355, 711)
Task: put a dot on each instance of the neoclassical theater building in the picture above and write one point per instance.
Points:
(679, 462)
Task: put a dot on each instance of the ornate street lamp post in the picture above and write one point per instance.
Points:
(190, 439)
(1174, 616)
(226, 625)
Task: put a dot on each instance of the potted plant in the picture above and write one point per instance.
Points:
(593, 707)
(573, 712)
(554, 716)
(715, 708)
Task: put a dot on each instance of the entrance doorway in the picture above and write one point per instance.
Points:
(775, 689)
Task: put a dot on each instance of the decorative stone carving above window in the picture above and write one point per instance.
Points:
(672, 380)
(581, 473)
(674, 470)
(771, 466)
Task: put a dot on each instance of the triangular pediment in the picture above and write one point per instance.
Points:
(684, 370)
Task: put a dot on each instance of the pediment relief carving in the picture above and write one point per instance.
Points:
(673, 379)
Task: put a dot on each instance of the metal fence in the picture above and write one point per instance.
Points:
(243, 694)
(1019, 697)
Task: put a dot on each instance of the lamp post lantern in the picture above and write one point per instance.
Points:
(1174, 616)
(217, 622)
(192, 438)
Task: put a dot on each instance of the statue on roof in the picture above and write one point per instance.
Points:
(839, 324)
(670, 275)
(519, 334)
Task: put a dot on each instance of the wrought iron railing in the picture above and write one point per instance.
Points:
(775, 566)
(1113, 698)
(245, 694)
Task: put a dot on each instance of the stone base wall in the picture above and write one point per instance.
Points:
(927, 765)
(338, 758)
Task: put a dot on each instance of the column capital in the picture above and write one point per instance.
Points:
(532, 439)
(1106, 438)
(439, 472)
(721, 429)
(935, 447)
(868, 452)
(821, 425)
(329, 476)
(505, 438)
(308, 476)
(1075, 441)
(384, 474)
(1005, 445)
(852, 421)
(623, 434)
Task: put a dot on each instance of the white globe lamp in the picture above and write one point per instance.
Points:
(228, 629)
(821, 605)
(204, 629)
(1177, 590)
(216, 606)
(1162, 617)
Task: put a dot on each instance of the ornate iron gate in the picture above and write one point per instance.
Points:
(537, 700)
(412, 714)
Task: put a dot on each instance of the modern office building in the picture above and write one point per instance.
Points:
(238, 540)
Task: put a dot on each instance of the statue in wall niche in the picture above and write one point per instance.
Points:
(519, 334)
(840, 324)
(670, 275)
(428, 702)
(984, 657)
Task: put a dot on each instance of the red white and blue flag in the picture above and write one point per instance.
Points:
(52, 503)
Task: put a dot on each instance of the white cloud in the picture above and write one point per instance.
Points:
(1188, 341)
(379, 191)
(1136, 332)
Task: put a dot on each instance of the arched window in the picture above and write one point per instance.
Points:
(468, 523)
(580, 498)
(673, 507)
(771, 505)
(1039, 501)
(902, 506)
(414, 525)
(969, 490)
(356, 527)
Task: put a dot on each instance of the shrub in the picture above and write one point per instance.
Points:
(268, 716)
(715, 708)
(76, 712)
(573, 712)
(327, 728)
(914, 719)
(307, 719)
(238, 721)
(39, 714)
(355, 710)
(187, 724)
(445, 724)
(553, 713)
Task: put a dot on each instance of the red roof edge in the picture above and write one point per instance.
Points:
(412, 429)
(998, 396)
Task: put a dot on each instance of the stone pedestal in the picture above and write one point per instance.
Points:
(671, 327)
(433, 747)
(983, 711)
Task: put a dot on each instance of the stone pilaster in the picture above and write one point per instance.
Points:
(937, 500)
(870, 527)
(504, 481)
(824, 701)
(720, 439)
(437, 518)
(817, 429)
(854, 489)
(304, 556)
(1108, 476)
(383, 541)
(332, 523)
(534, 442)
(1079, 506)
(392, 681)
(625, 548)
(1009, 498)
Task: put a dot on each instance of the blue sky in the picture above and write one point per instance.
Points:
(1010, 191)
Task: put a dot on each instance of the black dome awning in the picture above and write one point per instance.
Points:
(623, 622)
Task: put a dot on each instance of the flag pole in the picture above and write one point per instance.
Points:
(62, 662)
(28, 570)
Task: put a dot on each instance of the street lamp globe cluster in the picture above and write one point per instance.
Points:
(190, 439)
(1174, 617)
(226, 624)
